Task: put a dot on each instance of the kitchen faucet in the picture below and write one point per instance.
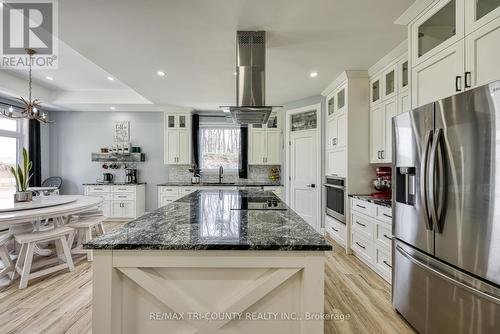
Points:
(221, 171)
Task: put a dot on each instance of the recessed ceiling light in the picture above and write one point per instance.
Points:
(49, 78)
(313, 74)
(111, 79)
(161, 73)
(112, 108)
(235, 73)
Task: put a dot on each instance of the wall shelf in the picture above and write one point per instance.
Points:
(118, 157)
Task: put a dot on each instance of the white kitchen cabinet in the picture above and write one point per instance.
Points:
(403, 75)
(119, 201)
(436, 30)
(377, 133)
(479, 13)
(439, 76)
(177, 136)
(336, 230)
(336, 162)
(341, 99)
(390, 82)
(381, 133)
(371, 238)
(341, 138)
(375, 90)
(265, 147)
(482, 48)
(404, 103)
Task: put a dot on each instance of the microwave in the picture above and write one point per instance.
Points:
(335, 197)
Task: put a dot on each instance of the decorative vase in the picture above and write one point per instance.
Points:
(23, 196)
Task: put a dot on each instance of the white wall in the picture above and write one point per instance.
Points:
(75, 135)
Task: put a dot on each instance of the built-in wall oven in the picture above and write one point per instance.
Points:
(335, 197)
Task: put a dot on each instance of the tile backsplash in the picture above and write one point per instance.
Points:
(258, 173)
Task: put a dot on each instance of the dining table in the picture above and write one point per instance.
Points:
(23, 217)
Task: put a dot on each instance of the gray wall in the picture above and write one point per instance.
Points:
(75, 135)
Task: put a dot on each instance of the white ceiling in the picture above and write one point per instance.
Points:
(193, 41)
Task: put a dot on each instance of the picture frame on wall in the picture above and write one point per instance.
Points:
(122, 131)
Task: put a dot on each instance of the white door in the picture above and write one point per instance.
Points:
(128, 209)
(172, 146)
(257, 147)
(377, 133)
(304, 194)
(438, 77)
(482, 48)
(390, 110)
(116, 209)
(183, 152)
(273, 148)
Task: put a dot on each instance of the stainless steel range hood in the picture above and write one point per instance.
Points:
(250, 105)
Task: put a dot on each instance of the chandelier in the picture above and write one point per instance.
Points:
(30, 108)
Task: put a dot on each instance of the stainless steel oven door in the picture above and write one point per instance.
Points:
(335, 202)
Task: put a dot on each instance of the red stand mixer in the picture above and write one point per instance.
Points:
(383, 183)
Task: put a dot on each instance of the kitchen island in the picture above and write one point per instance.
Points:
(212, 261)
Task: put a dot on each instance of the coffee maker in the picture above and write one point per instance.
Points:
(382, 183)
(130, 175)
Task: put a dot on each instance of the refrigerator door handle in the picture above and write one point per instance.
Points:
(436, 204)
(444, 276)
(423, 180)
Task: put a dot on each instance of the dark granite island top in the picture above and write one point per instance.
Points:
(216, 220)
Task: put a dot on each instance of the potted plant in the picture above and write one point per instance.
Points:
(23, 177)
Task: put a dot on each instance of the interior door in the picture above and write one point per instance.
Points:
(468, 214)
(304, 193)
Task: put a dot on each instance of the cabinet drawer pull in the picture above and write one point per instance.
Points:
(467, 79)
(458, 83)
(357, 243)
(385, 235)
(387, 264)
(382, 154)
(97, 188)
(357, 222)
(333, 228)
(122, 196)
(360, 206)
(388, 216)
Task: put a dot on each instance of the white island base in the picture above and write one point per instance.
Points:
(166, 291)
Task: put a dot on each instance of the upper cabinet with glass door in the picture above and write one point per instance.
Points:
(390, 86)
(331, 105)
(440, 27)
(375, 90)
(480, 12)
(403, 74)
(178, 121)
(273, 123)
(341, 100)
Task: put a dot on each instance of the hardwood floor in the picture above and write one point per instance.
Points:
(62, 302)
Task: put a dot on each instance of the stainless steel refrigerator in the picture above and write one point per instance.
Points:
(446, 202)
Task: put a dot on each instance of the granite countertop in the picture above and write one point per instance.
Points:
(379, 201)
(113, 184)
(215, 220)
(224, 184)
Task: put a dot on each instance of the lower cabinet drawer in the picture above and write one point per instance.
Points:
(169, 190)
(104, 196)
(362, 246)
(127, 189)
(187, 190)
(363, 225)
(383, 235)
(364, 207)
(164, 200)
(98, 189)
(124, 196)
(336, 230)
(383, 261)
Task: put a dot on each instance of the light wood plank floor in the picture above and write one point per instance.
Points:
(62, 302)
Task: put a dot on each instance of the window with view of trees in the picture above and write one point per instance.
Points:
(219, 147)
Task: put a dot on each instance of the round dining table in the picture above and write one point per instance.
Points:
(27, 216)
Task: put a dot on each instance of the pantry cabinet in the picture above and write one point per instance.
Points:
(265, 144)
(392, 72)
(177, 136)
(454, 47)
